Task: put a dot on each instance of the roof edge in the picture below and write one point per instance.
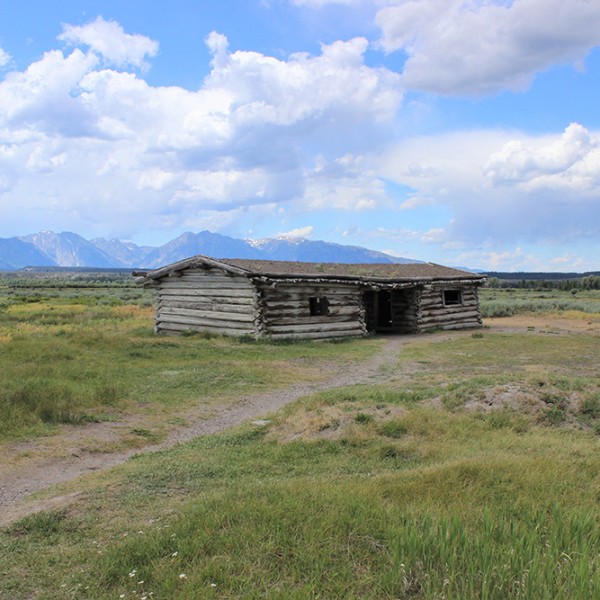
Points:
(200, 260)
(193, 261)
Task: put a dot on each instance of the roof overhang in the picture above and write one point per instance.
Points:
(374, 282)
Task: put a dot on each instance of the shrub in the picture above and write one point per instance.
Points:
(363, 418)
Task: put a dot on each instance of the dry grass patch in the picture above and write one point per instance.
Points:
(331, 422)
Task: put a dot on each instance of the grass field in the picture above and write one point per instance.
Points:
(498, 302)
(472, 473)
(74, 355)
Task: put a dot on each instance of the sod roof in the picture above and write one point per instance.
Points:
(304, 270)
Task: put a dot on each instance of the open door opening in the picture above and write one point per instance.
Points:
(390, 311)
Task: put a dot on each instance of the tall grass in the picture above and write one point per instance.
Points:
(462, 510)
(506, 303)
(66, 361)
(370, 492)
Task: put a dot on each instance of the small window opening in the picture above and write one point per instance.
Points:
(452, 297)
(318, 306)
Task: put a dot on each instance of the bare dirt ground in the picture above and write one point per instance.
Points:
(31, 467)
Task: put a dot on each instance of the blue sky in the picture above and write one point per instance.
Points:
(464, 132)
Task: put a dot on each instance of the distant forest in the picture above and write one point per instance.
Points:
(561, 281)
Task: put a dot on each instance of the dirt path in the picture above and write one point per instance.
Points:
(20, 480)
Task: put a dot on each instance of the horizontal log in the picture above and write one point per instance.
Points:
(306, 327)
(439, 297)
(449, 308)
(208, 285)
(175, 328)
(439, 301)
(215, 307)
(302, 292)
(301, 320)
(473, 324)
(440, 309)
(284, 288)
(305, 312)
(212, 276)
(316, 336)
(302, 308)
(214, 323)
(202, 314)
(225, 294)
(448, 316)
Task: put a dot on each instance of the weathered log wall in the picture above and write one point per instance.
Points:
(404, 311)
(286, 311)
(432, 313)
(208, 300)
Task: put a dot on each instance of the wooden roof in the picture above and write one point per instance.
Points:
(275, 269)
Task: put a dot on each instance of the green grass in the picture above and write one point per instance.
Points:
(507, 302)
(66, 362)
(387, 491)
(460, 508)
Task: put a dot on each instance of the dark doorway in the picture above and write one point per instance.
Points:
(384, 309)
(390, 311)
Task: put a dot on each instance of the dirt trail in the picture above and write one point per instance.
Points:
(17, 482)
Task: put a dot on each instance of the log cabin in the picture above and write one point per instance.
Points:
(282, 299)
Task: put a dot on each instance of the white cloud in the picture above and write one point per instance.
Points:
(478, 47)
(44, 96)
(336, 85)
(108, 39)
(570, 163)
(503, 187)
(105, 146)
(299, 233)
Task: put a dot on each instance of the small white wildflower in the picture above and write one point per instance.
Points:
(132, 574)
(174, 554)
(140, 582)
(182, 576)
(140, 531)
(213, 585)
(122, 596)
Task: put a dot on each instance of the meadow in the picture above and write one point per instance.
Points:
(506, 302)
(470, 472)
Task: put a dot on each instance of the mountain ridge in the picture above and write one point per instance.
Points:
(68, 249)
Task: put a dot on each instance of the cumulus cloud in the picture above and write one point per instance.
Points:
(109, 40)
(309, 89)
(500, 187)
(477, 47)
(570, 163)
(104, 145)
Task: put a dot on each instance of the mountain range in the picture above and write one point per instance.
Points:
(67, 249)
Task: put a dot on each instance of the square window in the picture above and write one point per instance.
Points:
(452, 297)
(318, 306)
